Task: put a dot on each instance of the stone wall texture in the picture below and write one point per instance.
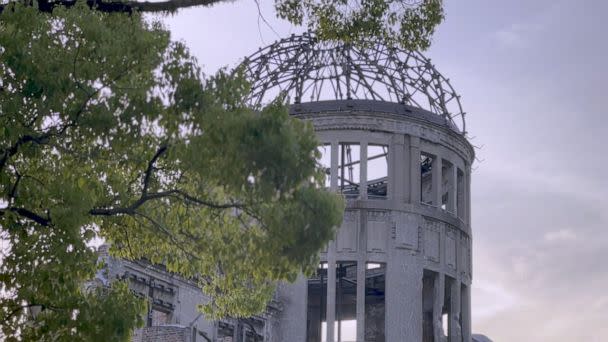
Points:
(162, 334)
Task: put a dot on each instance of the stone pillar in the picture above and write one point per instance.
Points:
(403, 320)
(414, 170)
(363, 171)
(467, 194)
(361, 298)
(235, 332)
(361, 265)
(437, 177)
(407, 169)
(465, 308)
(452, 193)
(397, 165)
(455, 330)
(333, 180)
(331, 254)
(439, 291)
(331, 291)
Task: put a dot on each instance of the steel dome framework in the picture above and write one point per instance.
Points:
(303, 68)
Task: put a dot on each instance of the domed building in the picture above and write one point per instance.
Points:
(393, 142)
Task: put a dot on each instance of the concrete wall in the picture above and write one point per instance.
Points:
(162, 334)
(410, 236)
(174, 302)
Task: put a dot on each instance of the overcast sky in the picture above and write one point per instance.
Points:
(532, 74)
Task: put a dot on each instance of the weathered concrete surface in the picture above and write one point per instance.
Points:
(162, 334)
(422, 223)
(418, 226)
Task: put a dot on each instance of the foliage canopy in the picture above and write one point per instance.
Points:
(408, 23)
(119, 136)
(109, 130)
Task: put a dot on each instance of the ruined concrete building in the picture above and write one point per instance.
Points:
(393, 143)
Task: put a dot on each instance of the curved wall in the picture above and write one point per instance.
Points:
(401, 261)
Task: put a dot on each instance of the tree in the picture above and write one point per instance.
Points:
(409, 23)
(108, 129)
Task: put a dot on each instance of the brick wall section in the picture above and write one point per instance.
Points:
(162, 334)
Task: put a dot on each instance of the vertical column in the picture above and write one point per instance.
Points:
(361, 265)
(414, 170)
(331, 291)
(397, 165)
(439, 292)
(390, 179)
(331, 254)
(235, 331)
(362, 246)
(467, 194)
(333, 180)
(466, 313)
(437, 189)
(455, 330)
(363, 171)
(452, 192)
(407, 168)
(403, 320)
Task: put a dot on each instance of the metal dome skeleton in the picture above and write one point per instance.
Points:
(305, 69)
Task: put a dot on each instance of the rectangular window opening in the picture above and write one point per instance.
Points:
(316, 305)
(324, 162)
(377, 171)
(446, 314)
(225, 332)
(428, 299)
(460, 193)
(375, 302)
(346, 302)
(426, 178)
(349, 169)
(447, 186)
(464, 302)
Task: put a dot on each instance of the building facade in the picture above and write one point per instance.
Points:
(393, 143)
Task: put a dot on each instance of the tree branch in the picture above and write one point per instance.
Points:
(146, 181)
(119, 6)
(175, 193)
(11, 151)
(29, 215)
(13, 191)
(18, 309)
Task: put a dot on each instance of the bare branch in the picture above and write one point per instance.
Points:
(28, 214)
(11, 151)
(119, 6)
(175, 193)
(14, 188)
(146, 181)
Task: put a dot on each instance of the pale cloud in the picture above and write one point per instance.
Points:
(512, 36)
(562, 235)
(519, 35)
(491, 298)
